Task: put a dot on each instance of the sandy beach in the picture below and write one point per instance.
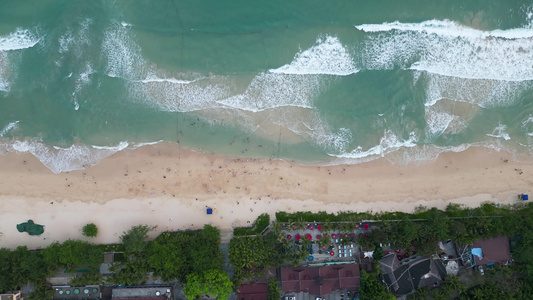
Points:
(169, 188)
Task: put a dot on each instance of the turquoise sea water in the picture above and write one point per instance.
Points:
(313, 81)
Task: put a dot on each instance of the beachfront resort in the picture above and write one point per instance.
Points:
(458, 253)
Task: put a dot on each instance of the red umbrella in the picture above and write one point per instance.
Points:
(356, 225)
(318, 237)
(319, 227)
(333, 235)
(332, 253)
(309, 237)
(339, 235)
(352, 235)
(311, 227)
(323, 247)
(345, 235)
(298, 237)
(289, 236)
(365, 226)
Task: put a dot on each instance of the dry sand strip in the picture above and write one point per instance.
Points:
(155, 185)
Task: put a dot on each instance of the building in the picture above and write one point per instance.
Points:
(407, 276)
(490, 251)
(142, 293)
(256, 288)
(65, 292)
(253, 291)
(11, 296)
(320, 281)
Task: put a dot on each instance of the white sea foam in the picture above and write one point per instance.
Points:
(446, 28)
(65, 40)
(154, 78)
(437, 121)
(123, 55)
(327, 56)
(82, 80)
(527, 126)
(121, 146)
(450, 49)
(387, 144)
(20, 39)
(499, 132)
(269, 90)
(10, 126)
(57, 159)
(187, 97)
(484, 93)
(138, 145)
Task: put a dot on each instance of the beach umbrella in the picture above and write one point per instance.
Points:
(333, 235)
(319, 227)
(324, 247)
(345, 235)
(311, 227)
(311, 258)
(356, 225)
(298, 237)
(289, 236)
(332, 253)
(365, 226)
(361, 235)
(339, 235)
(308, 237)
(318, 237)
(352, 235)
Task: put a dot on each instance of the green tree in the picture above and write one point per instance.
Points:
(405, 233)
(274, 291)
(215, 283)
(370, 288)
(41, 291)
(194, 286)
(165, 260)
(73, 253)
(90, 230)
(437, 224)
(23, 266)
(134, 239)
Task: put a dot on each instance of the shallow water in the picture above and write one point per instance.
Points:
(344, 82)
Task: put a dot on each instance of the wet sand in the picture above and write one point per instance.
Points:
(169, 188)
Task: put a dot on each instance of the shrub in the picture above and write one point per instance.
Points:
(90, 230)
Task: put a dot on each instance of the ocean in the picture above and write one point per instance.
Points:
(317, 82)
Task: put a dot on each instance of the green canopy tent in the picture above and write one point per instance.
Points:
(31, 228)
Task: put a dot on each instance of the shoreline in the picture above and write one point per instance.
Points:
(170, 187)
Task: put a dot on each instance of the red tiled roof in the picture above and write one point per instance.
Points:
(333, 277)
(253, 291)
(493, 250)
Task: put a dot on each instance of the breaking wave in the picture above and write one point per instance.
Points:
(387, 144)
(449, 49)
(327, 56)
(9, 127)
(20, 39)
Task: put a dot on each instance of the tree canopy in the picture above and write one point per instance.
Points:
(134, 239)
(214, 283)
(371, 289)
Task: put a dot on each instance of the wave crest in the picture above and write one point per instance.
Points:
(327, 56)
(450, 49)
